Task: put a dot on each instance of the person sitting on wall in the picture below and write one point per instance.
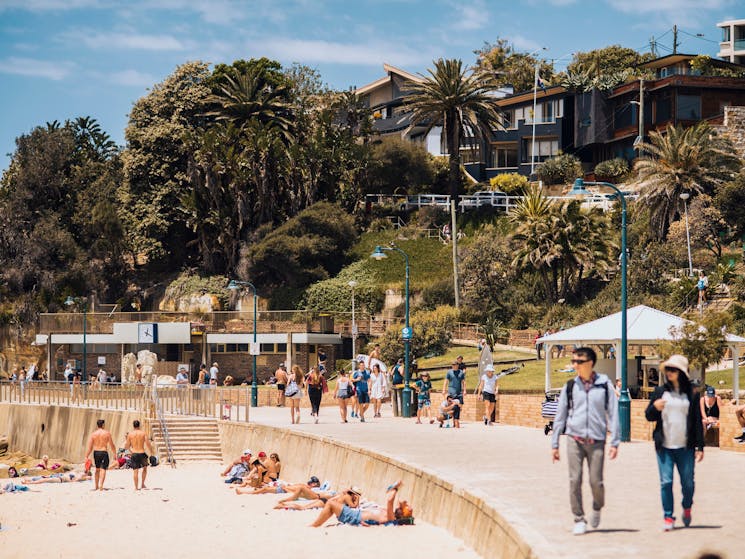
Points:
(711, 405)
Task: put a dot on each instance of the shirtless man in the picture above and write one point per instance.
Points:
(347, 510)
(98, 443)
(136, 442)
(281, 375)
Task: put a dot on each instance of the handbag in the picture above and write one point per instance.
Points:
(291, 389)
(350, 390)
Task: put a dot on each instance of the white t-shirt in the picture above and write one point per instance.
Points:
(101, 376)
(675, 419)
(181, 376)
(213, 373)
(490, 384)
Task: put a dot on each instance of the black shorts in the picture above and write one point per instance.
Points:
(363, 397)
(456, 412)
(489, 397)
(101, 459)
(281, 387)
(139, 460)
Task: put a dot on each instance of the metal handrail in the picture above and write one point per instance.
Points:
(161, 421)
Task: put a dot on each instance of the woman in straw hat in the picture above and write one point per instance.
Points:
(678, 435)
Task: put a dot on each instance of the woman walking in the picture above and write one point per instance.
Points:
(315, 390)
(678, 435)
(489, 388)
(294, 392)
(378, 388)
(342, 393)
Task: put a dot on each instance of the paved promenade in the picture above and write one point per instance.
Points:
(511, 468)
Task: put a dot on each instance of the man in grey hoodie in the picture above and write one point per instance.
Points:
(588, 410)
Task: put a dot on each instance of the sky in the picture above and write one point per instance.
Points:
(60, 59)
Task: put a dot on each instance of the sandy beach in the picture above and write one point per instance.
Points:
(189, 512)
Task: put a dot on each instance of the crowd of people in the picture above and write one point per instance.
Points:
(261, 475)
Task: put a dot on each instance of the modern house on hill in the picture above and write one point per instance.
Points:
(607, 123)
(513, 149)
(732, 45)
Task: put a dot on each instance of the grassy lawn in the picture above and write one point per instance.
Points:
(429, 259)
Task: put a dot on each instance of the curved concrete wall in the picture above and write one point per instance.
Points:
(66, 429)
(434, 500)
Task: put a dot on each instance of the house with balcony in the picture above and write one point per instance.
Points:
(732, 45)
(607, 123)
(527, 138)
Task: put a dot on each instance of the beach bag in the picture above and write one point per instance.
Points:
(324, 384)
(291, 389)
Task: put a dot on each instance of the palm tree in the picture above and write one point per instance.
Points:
(459, 98)
(682, 160)
(250, 97)
(561, 243)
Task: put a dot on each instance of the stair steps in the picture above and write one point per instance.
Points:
(191, 439)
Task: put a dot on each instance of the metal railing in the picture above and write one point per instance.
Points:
(154, 402)
(159, 417)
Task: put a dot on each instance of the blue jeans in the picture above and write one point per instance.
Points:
(684, 460)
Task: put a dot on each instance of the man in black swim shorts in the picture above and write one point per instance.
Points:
(98, 444)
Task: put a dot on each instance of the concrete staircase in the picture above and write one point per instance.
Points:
(192, 438)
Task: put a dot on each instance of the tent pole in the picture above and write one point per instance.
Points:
(547, 351)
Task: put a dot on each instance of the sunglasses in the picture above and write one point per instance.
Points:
(671, 370)
(579, 361)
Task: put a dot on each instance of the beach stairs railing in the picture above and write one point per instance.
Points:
(191, 438)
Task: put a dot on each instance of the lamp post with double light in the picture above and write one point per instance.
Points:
(684, 196)
(406, 332)
(235, 284)
(624, 402)
(83, 302)
(352, 284)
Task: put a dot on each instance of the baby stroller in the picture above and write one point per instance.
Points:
(549, 408)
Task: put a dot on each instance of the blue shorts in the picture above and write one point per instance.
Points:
(363, 397)
(350, 516)
(423, 403)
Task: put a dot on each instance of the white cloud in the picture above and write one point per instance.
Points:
(331, 52)
(470, 16)
(129, 41)
(133, 78)
(35, 68)
(524, 44)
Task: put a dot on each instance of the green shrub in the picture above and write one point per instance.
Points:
(613, 170)
(335, 295)
(561, 169)
(433, 331)
(438, 293)
(509, 183)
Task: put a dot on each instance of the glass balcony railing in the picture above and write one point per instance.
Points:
(740, 44)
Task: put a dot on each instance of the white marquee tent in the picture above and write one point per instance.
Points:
(645, 326)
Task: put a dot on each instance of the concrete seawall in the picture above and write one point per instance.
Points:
(65, 430)
(435, 500)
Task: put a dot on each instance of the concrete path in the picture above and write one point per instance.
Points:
(511, 468)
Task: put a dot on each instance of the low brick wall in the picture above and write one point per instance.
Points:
(729, 427)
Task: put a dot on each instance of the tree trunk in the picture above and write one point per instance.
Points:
(452, 131)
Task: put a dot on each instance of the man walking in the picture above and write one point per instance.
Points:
(587, 410)
(361, 380)
(98, 443)
(136, 442)
(455, 381)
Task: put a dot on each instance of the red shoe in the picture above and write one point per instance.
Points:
(686, 517)
(669, 524)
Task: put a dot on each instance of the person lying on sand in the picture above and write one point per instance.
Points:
(64, 477)
(347, 510)
(279, 487)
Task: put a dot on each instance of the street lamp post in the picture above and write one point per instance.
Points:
(624, 402)
(234, 284)
(684, 196)
(353, 284)
(406, 333)
(84, 302)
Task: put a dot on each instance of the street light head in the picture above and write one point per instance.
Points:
(233, 285)
(352, 284)
(578, 189)
(69, 301)
(378, 254)
(684, 195)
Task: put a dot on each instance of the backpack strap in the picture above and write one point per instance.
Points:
(570, 394)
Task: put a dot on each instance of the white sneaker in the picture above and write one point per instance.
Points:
(579, 528)
(595, 519)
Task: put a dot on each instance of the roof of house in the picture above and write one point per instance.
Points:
(672, 59)
(387, 78)
(524, 96)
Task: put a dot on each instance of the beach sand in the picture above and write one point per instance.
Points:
(189, 512)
